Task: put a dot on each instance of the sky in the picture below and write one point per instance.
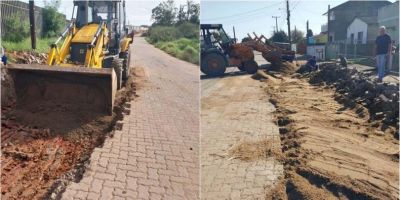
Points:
(138, 12)
(257, 16)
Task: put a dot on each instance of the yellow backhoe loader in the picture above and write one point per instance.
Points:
(87, 64)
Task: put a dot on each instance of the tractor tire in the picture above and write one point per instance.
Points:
(213, 64)
(251, 66)
(118, 68)
(126, 65)
(203, 69)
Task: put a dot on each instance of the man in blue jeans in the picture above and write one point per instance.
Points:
(383, 49)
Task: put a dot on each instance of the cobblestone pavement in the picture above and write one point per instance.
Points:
(155, 155)
(234, 109)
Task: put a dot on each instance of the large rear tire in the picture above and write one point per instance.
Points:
(251, 66)
(118, 68)
(126, 65)
(213, 64)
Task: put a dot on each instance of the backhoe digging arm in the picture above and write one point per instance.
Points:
(56, 55)
(95, 54)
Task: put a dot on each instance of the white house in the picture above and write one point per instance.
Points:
(362, 30)
(388, 16)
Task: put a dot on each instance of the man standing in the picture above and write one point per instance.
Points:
(383, 49)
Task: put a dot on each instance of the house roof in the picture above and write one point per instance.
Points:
(368, 20)
(352, 4)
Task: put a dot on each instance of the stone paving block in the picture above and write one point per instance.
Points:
(159, 138)
(245, 114)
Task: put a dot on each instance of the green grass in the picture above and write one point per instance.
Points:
(42, 45)
(183, 48)
(181, 41)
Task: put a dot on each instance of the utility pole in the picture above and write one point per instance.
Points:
(329, 19)
(32, 23)
(276, 22)
(307, 33)
(234, 34)
(288, 23)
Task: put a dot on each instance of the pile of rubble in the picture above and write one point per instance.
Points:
(381, 99)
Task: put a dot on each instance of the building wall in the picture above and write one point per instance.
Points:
(357, 26)
(373, 31)
(343, 14)
(316, 50)
(388, 16)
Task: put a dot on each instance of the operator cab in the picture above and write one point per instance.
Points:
(214, 36)
(95, 12)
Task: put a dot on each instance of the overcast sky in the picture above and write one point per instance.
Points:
(138, 12)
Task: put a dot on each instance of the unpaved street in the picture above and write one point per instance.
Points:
(332, 148)
(155, 155)
(239, 140)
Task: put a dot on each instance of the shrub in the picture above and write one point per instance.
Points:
(162, 34)
(188, 30)
(189, 54)
(15, 28)
(53, 22)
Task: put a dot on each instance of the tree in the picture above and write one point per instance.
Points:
(53, 21)
(193, 12)
(246, 39)
(309, 33)
(164, 13)
(279, 36)
(297, 36)
(52, 3)
(181, 15)
(15, 29)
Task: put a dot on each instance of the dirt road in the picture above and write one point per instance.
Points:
(332, 150)
(155, 154)
(238, 139)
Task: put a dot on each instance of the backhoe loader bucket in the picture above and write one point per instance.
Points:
(68, 87)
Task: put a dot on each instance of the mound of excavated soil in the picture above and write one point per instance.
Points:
(7, 88)
(331, 150)
(45, 147)
(284, 67)
(247, 150)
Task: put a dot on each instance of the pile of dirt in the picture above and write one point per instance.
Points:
(330, 151)
(284, 67)
(45, 148)
(355, 88)
(250, 150)
(7, 88)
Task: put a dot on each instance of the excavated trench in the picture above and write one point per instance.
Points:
(45, 147)
(339, 134)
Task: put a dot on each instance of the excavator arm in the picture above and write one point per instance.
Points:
(57, 55)
(95, 53)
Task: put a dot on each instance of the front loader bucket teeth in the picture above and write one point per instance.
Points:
(84, 88)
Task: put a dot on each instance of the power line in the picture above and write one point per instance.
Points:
(250, 11)
(246, 19)
(297, 3)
